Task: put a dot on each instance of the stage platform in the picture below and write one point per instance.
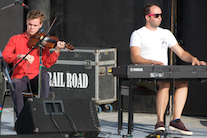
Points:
(143, 125)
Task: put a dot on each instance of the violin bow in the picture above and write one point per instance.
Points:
(53, 22)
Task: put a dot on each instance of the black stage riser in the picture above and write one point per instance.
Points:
(80, 116)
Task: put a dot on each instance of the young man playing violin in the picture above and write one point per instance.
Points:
(25, 74)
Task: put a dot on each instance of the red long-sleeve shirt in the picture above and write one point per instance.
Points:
(18, 44)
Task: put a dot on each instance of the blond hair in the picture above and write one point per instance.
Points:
(36, 14)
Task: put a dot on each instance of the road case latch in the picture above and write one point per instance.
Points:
(88, 64)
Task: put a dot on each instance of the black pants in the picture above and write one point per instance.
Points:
(22, 84)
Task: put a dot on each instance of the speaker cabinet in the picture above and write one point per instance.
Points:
(72, 116)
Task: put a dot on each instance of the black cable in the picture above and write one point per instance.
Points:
(71, 120)
(55, 123)
(173, 92)
(29, 84)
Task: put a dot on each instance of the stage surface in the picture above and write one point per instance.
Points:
(143, 125)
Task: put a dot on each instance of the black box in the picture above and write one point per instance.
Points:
(85, 72)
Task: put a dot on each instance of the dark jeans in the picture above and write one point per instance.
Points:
(22, 84)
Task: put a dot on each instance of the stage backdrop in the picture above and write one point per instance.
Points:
(192, 31)
(12, 21)
(102, 23)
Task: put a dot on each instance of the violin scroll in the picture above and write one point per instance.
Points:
(69, 46)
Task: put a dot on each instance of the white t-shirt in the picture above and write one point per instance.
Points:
(153, 44)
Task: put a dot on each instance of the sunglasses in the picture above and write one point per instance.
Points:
(156, 15)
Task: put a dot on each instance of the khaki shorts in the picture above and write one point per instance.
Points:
(152, 85)
(149, 85)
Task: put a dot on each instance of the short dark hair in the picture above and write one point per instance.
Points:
(146, 10)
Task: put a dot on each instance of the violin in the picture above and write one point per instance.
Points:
(48, 42)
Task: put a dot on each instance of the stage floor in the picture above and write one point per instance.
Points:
(143, 125)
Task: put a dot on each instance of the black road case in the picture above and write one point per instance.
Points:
(85, 72)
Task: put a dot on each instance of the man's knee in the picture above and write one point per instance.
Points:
(180, 84)
(19, 85)
(163, 84)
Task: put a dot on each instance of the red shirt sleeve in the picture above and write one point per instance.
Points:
(8, 53)
(49, 59)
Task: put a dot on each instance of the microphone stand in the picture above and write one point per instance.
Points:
(15, 3)
(40, 73)
(8, 6)
(6, 71)
(5, 67)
